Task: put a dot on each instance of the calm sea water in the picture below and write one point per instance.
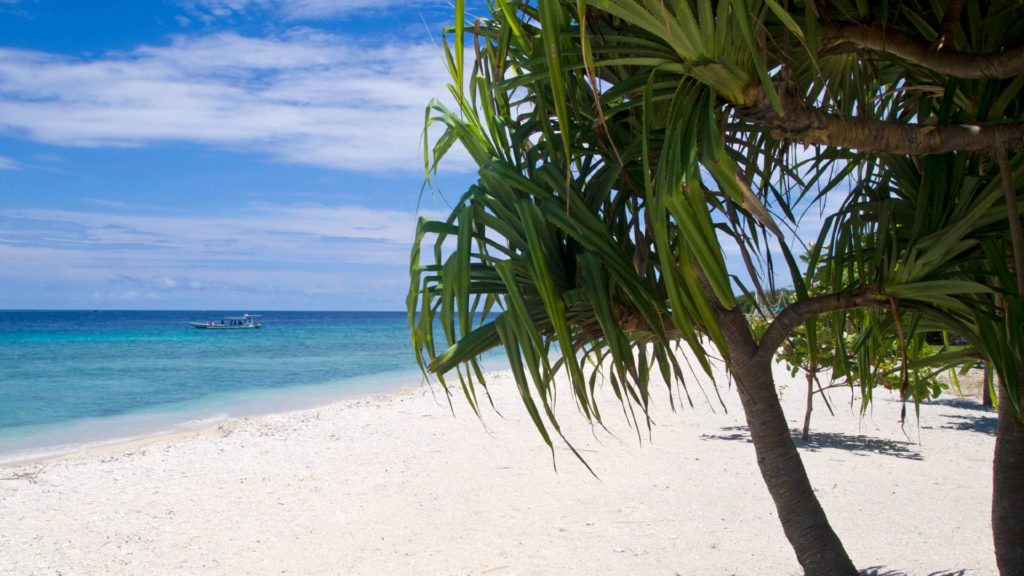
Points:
(69, 377)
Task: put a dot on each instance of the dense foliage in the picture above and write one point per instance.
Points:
(625, 147)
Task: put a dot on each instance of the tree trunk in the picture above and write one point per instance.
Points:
(816, 545)
(810, 405)
(1008, 490)
(986, 391)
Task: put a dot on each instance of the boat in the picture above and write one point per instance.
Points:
(244, 322)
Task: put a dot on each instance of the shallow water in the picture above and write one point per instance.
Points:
(69, 377)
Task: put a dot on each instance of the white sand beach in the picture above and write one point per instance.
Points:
(396, 485)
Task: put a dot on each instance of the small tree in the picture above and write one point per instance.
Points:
(868, 357)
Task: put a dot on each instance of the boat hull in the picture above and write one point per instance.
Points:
(207, 326)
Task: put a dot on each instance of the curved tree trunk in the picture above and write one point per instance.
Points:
(1008, 490)
(817, 547)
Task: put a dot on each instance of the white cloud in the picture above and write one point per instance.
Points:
(7, 163)
(295, 9)
(306, 97)
(284, 233)
(345, 255)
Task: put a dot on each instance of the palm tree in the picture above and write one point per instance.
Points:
(620, 143)
(944, 217)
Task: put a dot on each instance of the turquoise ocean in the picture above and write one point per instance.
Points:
(69, 378)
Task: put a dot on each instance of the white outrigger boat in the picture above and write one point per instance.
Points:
(243, 322)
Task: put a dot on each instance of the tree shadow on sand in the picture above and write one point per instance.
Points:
(881, 571)
(857, 444)
(981, 424)
(963, 404)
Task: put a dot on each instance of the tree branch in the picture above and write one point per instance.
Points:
(950, 22)
(800, 311)
(948, 61)
(813, 126)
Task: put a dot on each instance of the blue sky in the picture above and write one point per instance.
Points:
(214, 154)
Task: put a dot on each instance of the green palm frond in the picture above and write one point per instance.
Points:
(613, 164)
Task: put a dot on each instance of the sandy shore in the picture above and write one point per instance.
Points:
(396, 485)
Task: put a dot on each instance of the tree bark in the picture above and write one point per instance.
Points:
(948, 62)
(805, 125)
(950, 22)
(810, 406)
(817, 547)
(1008, 490)
(796, 313)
